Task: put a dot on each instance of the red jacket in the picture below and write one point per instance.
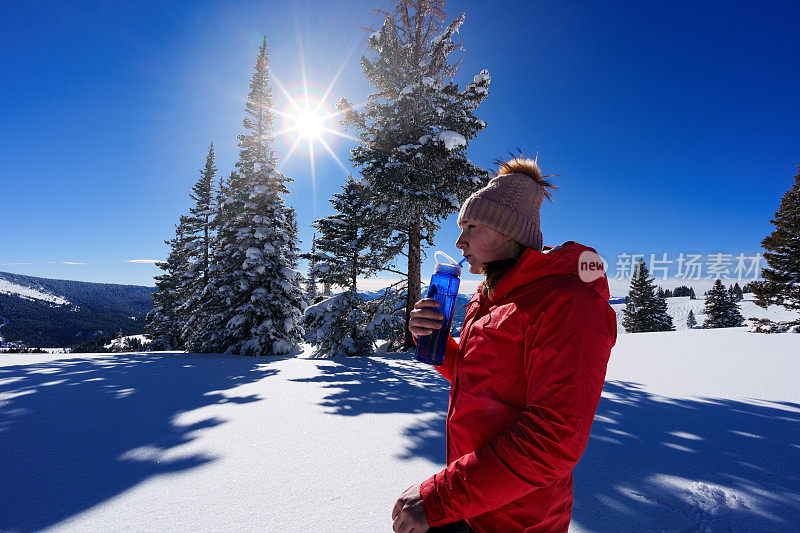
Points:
(526, 380)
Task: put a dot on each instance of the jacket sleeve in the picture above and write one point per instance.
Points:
(450, 355)
(566, 352)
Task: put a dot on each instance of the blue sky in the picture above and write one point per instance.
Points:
(673, 126)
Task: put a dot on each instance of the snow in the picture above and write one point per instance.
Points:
(697, 430)
(483, 77)
(119, 342)
(451, 139)
(31, 293)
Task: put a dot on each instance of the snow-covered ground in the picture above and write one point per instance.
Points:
(697, 430)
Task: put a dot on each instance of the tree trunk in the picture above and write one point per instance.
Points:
(354, 270)
(414, 291)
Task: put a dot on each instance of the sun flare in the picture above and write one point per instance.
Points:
(309, 123)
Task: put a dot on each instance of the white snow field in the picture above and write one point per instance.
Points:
(697, 430)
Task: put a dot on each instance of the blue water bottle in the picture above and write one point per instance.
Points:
(443, 289)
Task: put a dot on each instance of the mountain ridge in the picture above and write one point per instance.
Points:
(46, 312)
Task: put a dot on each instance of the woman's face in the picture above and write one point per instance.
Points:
(481, 244)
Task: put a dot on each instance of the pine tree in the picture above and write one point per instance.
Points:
(257, 302)
(345, 245)
(198, 236)
(691, 322)
(662, 320)
(721, 311)
(781, 283)
(645, 309)
(344, 250)
(164, 323)
(735, 293)
(692, 295)
(415, 130)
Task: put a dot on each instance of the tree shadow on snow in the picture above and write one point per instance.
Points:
(392, 384)
(703, 464)
(76, 432)
(652, 463)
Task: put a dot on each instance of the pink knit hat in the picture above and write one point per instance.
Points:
(511, 201)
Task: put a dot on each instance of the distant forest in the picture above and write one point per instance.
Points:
(97, 310)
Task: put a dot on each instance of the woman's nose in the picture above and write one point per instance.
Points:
(460, 242)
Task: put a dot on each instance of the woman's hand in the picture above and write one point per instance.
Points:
(408, 513)
(424, 319)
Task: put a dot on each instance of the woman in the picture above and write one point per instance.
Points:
(527, 374)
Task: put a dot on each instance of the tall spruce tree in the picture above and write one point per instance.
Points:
(415, 130)
(164, 323)
(781, 283)
(257, 302)
(721, 310)
(199, 234)
(645, 310)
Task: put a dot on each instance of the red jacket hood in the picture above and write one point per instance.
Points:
(569, 258)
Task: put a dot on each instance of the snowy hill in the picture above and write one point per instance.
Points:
(53, 312)
(678, 308)
(697, 430)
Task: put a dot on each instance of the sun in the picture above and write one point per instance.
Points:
(306, 119)
(309, 123)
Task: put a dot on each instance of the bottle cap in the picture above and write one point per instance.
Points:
(446, 266)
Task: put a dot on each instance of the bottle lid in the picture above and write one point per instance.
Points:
(446, 266)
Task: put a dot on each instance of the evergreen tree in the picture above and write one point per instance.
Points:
(164, 323)
(735, 293)
(645, 309)
(721, 311)
(691, 322)
(257, 303)
(344, 250)
(415, 130)
(692, 295)
(198, 236)
(661, 319)
(781, 283)
(668, 293)
(345, 247)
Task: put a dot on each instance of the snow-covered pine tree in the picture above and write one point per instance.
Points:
(344, 249)
(415, 130)
(208, 321)
(257, 303)
(662, 320)
(721, 311)
(644, 309)
(164, 323)
(198, 236)
(691, 321)
(738, 295)
(345, 243)
(781, 283)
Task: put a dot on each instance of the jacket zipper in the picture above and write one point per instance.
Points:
(461, 349)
